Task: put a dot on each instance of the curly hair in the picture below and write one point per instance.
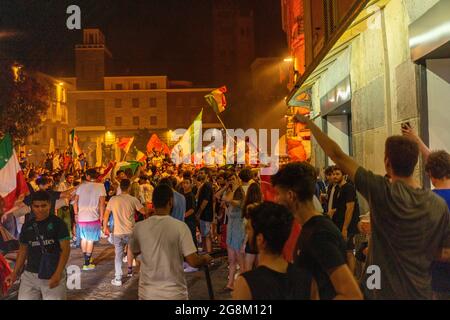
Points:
(438, 165)
(274, 222)
(300, 177)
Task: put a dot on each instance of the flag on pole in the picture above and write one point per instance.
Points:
(191, 138)
(125, 144)
(13, 183)
(217, 100)
(140, 156)
(73, 142)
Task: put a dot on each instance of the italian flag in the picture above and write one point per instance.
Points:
(191, 138)
(125, 144)
(12, 180)
(133, 165)
(217, 100)
(73, 141)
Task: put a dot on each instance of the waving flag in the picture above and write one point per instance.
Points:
(12, 179)
(140, 156)
(217, 100)
(73, 142)
(125, 144)
(191, 138)
(155, 143)
(133, 165)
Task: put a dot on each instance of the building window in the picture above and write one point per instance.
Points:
(118, 103)
(153, 103)
(119, 86)
(153, 121)
(153, 86)
(136, 86)
(118, 121)
(90, 112)
(135, 103)
(135, 121)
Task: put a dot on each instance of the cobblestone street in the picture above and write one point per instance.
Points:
(96, 284)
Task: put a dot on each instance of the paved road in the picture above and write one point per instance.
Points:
(96, 284)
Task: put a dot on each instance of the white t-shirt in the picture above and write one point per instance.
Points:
(163, 242)
(89, 194)
(123, 208)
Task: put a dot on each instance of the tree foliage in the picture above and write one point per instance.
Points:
(24, 101)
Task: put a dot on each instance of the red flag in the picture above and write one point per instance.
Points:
(157, 144)
(125, 144)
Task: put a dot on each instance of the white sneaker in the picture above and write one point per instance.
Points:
(116, 282)
(190, 269)
(125, 259)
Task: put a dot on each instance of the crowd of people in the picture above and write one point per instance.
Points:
(318, 237)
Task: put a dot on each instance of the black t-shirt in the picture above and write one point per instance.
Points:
(344, 195)
(53, 230)
(190, 204)
(206, 193)
(54, 195)
(267, 284)
(320, 249)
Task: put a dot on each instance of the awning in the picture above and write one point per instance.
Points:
(429, 36)
(354, 24)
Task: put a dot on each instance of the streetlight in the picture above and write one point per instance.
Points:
(288, 59)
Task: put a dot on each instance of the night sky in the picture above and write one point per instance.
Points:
(152, 37)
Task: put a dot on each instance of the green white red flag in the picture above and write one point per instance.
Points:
(12, 179)
(73, 142)
(190, 142)
(217, 99)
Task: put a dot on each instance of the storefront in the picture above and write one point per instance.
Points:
(371, 79)
(429, 38)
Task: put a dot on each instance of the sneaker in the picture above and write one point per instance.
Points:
(89, 267)
(130, 274)
(125, 259)
(190, 269)
(116, 282)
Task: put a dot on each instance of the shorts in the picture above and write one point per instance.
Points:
(205, 228)
(90, 231)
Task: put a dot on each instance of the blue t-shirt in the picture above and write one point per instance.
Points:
(179, 206)
(440, 271)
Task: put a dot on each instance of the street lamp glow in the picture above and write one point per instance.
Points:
(289, 59)
(61, 84)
